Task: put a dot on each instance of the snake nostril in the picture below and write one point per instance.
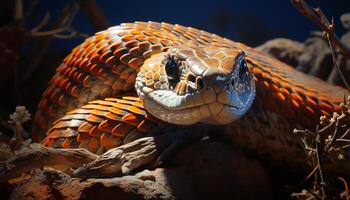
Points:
(200, 83)
(191, 78)
(232, 82)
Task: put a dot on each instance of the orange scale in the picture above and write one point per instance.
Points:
(48, 91)
(297, 98)
(124, 101)
(135, 63)
(90, 54)
(86, 127)
(95, 58)
(87, 81)
(265, 85)
(115, 45)
(111, 61)
(309, 111)
(138, 104)
(130, 44)
(122, 129)
(280, 97)
(284, 91)
(94, 68)
(62, 100)
(105, 56)
(99, 113)
(90, 106)
(132, 119)
(69, 60)
(54, 97)
(136, 110)
(100, 73)
(46, 142)
(153, 40)
(55, 79)
(63, 84)
(156, 48)
(295, 104)
(326, 107)
(310, 102)
(79, 111)
(274, 88)
(95, 132)
(43, 104)
(107, 125)
(83, 137)
(106, 103)
(109, 141)
(118, 85)
(325, 113)
(120, 51)
(127, 37)
(113, 116)
(80, 77)
(118, 111)
(144, 45)
(126, 58)
(78, 53)
(74, 91)
(68, 143)
(94, 118)
(164, 42)
(93, 144)
(337, 108)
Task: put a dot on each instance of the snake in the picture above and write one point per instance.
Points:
(135, 78)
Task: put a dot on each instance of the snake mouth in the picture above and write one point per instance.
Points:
(194, 107)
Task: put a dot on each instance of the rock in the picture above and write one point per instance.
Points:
(205, 170)
(283, 49)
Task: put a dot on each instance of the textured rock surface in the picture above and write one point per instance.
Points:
(206, 170)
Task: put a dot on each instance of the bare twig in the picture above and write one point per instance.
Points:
(331, 136)
(18, 11)
(319, 18)
(94, 14)
(62, 26)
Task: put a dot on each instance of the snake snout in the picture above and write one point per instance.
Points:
(215, 79)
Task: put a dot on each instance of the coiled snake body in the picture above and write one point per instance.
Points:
(182, 76)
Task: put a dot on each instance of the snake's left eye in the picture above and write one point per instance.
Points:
(172, 70)
(243, 68)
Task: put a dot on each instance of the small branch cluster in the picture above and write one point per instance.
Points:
(64, 30)
(331, 139)
(319, 18)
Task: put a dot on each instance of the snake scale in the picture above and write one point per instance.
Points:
(182, 75)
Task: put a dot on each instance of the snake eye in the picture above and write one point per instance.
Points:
(172, 71)
(243, 68)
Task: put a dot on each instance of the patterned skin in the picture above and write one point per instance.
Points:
(106, 65)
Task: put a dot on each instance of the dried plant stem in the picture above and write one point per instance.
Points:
(318, 17)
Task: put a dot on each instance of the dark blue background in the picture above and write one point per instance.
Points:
(251, 22)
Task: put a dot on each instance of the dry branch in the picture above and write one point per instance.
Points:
(38, 157)
(94, 14)
(318, 17)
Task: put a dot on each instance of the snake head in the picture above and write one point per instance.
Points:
(186, 85)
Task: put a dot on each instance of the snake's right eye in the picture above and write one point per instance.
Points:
(172, 71)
